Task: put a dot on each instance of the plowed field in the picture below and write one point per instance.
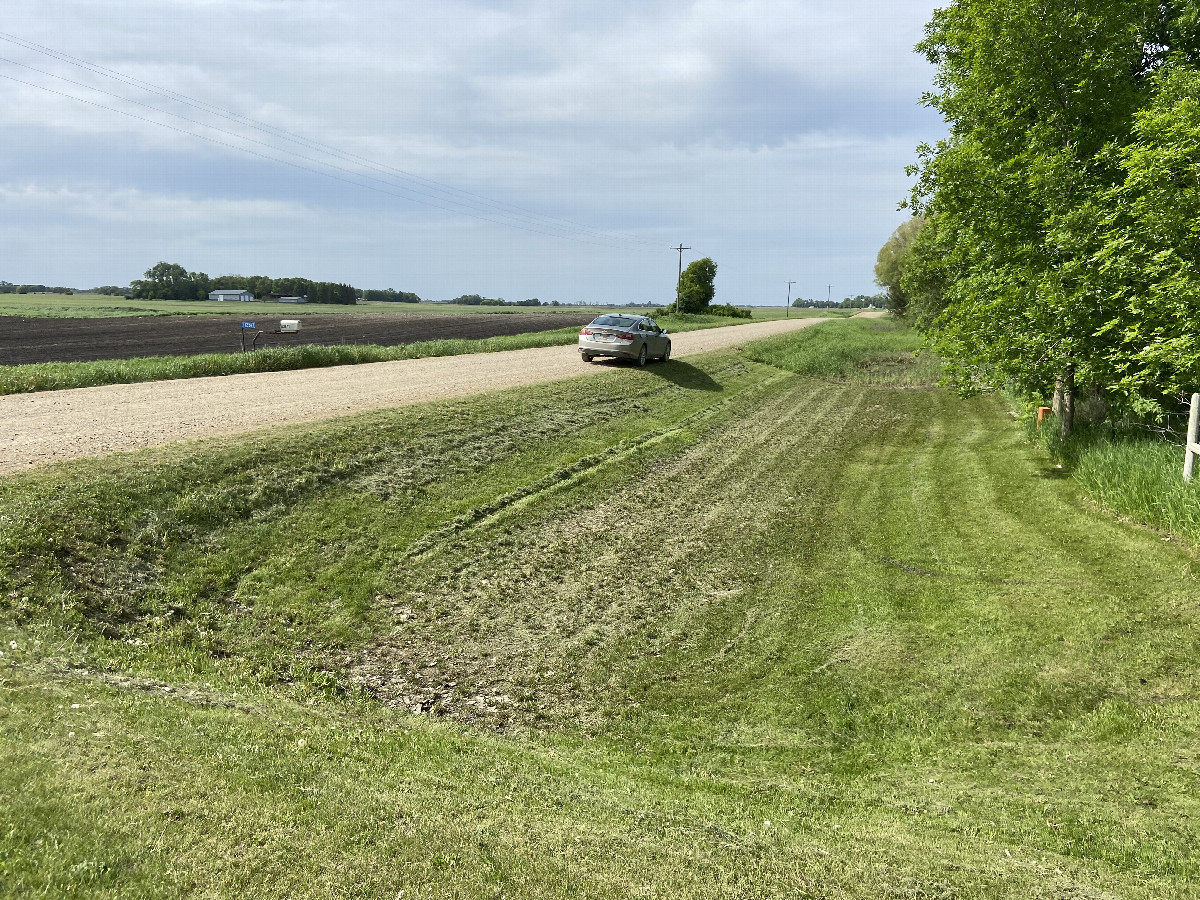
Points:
(37, 340)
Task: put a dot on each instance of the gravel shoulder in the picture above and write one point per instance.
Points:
(41, 428)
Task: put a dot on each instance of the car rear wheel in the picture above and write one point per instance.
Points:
(587, 357)
(642, 356)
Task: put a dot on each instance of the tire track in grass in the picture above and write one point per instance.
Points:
(569, 476)
(526, 613)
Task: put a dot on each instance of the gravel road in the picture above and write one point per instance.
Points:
(58, 425)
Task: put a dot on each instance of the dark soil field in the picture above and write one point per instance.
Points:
(38, 340)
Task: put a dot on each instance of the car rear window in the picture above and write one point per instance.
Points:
(619, 321)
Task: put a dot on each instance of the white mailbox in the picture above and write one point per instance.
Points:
(289, 326)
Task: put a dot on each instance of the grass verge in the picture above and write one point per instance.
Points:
(1137, 475)
(64, 375)
(871, 351)
(704, 629)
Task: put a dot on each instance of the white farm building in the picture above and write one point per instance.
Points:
(244, 296)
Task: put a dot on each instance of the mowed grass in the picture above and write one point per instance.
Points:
(707, 629)
(65, 375)
(875, 351)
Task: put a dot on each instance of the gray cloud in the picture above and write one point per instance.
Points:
(769, 135)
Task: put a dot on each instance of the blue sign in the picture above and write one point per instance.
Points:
(247, 324)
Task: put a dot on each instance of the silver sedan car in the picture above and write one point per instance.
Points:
(625, 337)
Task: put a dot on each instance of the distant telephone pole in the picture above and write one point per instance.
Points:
(787, 313)
(828, 293)
(679, 277)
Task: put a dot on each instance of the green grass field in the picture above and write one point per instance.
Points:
(86, 306)
(707, 629)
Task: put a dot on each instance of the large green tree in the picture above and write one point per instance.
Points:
(171, 281)
(1147, 264)
(1041, 98)
(697, 286)
(892, 259)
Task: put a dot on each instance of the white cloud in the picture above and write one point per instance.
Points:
(736, 124)
(127, 206)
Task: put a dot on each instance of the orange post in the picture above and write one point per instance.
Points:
(1043, 411)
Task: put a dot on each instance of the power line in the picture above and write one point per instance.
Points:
(524, 219)
(294, 165)
(237, 136)
(212, 109)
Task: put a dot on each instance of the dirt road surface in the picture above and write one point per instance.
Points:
(52, 426)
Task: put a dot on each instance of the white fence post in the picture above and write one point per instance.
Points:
(1189, 457)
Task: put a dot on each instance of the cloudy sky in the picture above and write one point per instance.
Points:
(514, 149)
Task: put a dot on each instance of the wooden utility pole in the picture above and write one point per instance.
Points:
(788, 310)
(679, 277)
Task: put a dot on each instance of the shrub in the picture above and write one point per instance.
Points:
(728, 309)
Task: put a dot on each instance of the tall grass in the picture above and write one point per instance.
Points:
(1135, 475)
(62, 375)
(872, 351)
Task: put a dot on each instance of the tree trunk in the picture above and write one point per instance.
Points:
(1068, 400)
(1096, 401)
(1056, 406)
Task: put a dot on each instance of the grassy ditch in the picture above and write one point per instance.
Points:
(705, 629)
(872, 351)
(63, 375)
(1135, 474)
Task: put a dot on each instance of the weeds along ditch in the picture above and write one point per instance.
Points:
(706, 629)
(874, 351)
(1127, 470)
(21, 379)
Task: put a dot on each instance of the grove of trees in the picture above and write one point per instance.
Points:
(1057, 249)
(858, 301)
(170, 281)
(7, 287)
(390, 296)
(476, 300)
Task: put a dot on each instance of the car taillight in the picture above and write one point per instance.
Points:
(586, 331)
(625, 335)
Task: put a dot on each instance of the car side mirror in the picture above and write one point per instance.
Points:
(664, 331)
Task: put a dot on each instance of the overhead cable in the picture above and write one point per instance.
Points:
(426, 191)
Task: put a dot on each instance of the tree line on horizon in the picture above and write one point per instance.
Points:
(695, 291)
(1054, 249)
(477, 300)
(171, 281)
(7, 287)
(858, 301)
